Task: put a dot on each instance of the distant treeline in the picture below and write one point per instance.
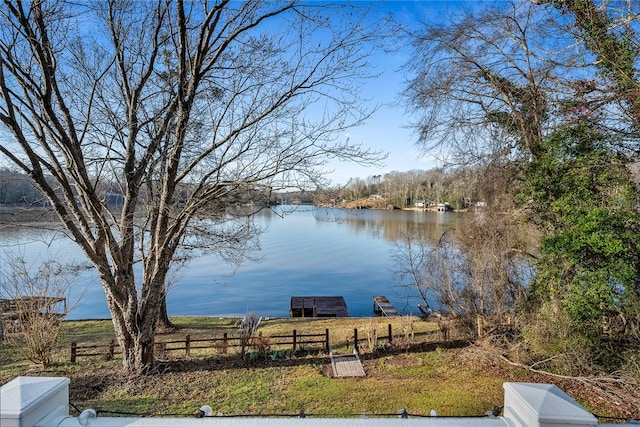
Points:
(458, 188)
(18, 190)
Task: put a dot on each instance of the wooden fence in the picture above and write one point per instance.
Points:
(293, 342)
(93, 350)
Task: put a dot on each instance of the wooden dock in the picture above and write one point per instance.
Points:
(318, 306)
(382, 307)
(26, 307)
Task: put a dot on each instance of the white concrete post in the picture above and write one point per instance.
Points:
(543, 405)
(28, 401)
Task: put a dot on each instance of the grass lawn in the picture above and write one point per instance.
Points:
(416, 377)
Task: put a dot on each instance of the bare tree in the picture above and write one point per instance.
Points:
(493, 82)
(609, 31)
(434, 270)
(187, 106)
(481, 84)
(478, 268)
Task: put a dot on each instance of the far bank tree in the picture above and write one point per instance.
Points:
(186, 107)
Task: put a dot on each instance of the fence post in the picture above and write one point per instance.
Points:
(390, 333)
(187, 344)
(355, 340)
(480, 327)
(326, 340)
(225, 343)
(112, 348)
(294, 340)
(73, 352)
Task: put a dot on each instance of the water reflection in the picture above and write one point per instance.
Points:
(393, 225)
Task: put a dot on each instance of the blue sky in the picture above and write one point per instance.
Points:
(389, 129)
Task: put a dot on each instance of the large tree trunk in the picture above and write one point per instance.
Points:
(135, 326)
(163, 317)
(137, 345)
(137, 353)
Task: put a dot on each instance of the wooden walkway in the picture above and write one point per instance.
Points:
(347, 365)
(382, 307)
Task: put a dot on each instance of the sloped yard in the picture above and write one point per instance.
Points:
(454, 378)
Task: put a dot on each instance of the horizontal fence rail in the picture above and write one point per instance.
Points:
(92, 350)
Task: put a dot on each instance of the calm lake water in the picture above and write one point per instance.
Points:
(310, 252)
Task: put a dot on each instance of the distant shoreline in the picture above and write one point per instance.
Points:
(25, 213)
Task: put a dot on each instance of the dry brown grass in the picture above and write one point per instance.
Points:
(341, 330)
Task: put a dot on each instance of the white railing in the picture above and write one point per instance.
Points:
(44, 402)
